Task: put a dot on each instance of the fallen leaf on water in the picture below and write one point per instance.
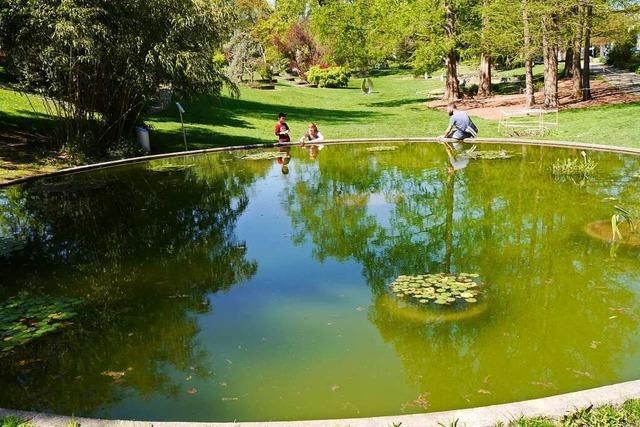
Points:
(223, 384)
(192, 391)
(486, 379)
(467, 397)
(335, 387)
(545, 384)
(483, 391)
(594, 344)
(114, 374)
(229, 398)
(580, 373)
(421, 401)
(189, 378)
(229, 362)
(612, 317)
(359, 308)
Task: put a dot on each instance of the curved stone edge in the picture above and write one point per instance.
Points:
(515, 141)
(552, 407)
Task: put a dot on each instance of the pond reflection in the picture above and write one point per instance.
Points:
(224, 287)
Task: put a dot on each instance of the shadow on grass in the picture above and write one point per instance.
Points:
(25, 127)
(399, 102)
(197, 139)
(227, 112)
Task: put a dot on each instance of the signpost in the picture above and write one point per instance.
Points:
(184, 135)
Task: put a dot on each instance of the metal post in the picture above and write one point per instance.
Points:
(184, 135)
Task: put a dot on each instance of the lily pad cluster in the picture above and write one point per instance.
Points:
(488, 154)
(441, 289)
(377, 148)
(263, 155)
(25, 317)
(169, 167)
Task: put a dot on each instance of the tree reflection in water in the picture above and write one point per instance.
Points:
(144, 252)
(551, 290)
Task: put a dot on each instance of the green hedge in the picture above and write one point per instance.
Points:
(328, 77)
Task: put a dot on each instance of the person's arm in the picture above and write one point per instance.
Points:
(320, 138)
(277, 130)
(450, 129)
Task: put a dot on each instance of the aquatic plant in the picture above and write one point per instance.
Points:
(26, 317)
(168, 167)
(574, 166)
(377, 148)
(441, 289)
(488, 154)
(13, 421)
(263, 155)
(631, 218)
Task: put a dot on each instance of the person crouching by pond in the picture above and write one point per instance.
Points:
(313, 135)
(460, 124)
(282, 129)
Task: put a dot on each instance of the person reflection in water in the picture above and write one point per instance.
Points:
(312, 136)
(458, 158)
(284, 159)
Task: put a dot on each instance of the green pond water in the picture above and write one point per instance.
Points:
(216, 288)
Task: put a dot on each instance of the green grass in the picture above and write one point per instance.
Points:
(396, 109)
(625, 415)
(13, 421)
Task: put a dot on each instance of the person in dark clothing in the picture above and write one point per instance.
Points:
(282, 129)
(460, 124)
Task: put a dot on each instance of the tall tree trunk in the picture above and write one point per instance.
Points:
(550, 54)
(528, 62)
(452, 88)
(484, 89)
(586, 90)
(576, 77)
(568, 61)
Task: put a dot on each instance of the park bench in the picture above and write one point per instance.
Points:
(529, 121)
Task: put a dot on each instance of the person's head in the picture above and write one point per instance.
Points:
(313, 152)
(451, 108)
(282, 117)
(313, 129)
(285, 170)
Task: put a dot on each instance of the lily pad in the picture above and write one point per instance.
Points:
(26, 317)
(439, 288)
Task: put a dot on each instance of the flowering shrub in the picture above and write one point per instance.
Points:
(328, 77)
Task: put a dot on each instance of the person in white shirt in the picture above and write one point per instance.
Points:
(313, 135)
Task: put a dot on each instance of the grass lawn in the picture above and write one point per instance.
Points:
(396, 109)
(23, 148)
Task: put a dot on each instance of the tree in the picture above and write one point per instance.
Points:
(443, 30)
(299, 47)
(100, 64)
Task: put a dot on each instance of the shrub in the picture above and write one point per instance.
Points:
(265, 70)
(328, 77)
(623, 56)
(471, 90)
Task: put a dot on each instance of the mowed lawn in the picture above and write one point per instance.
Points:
(396, 109)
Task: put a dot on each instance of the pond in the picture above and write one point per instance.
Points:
(229, 287)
